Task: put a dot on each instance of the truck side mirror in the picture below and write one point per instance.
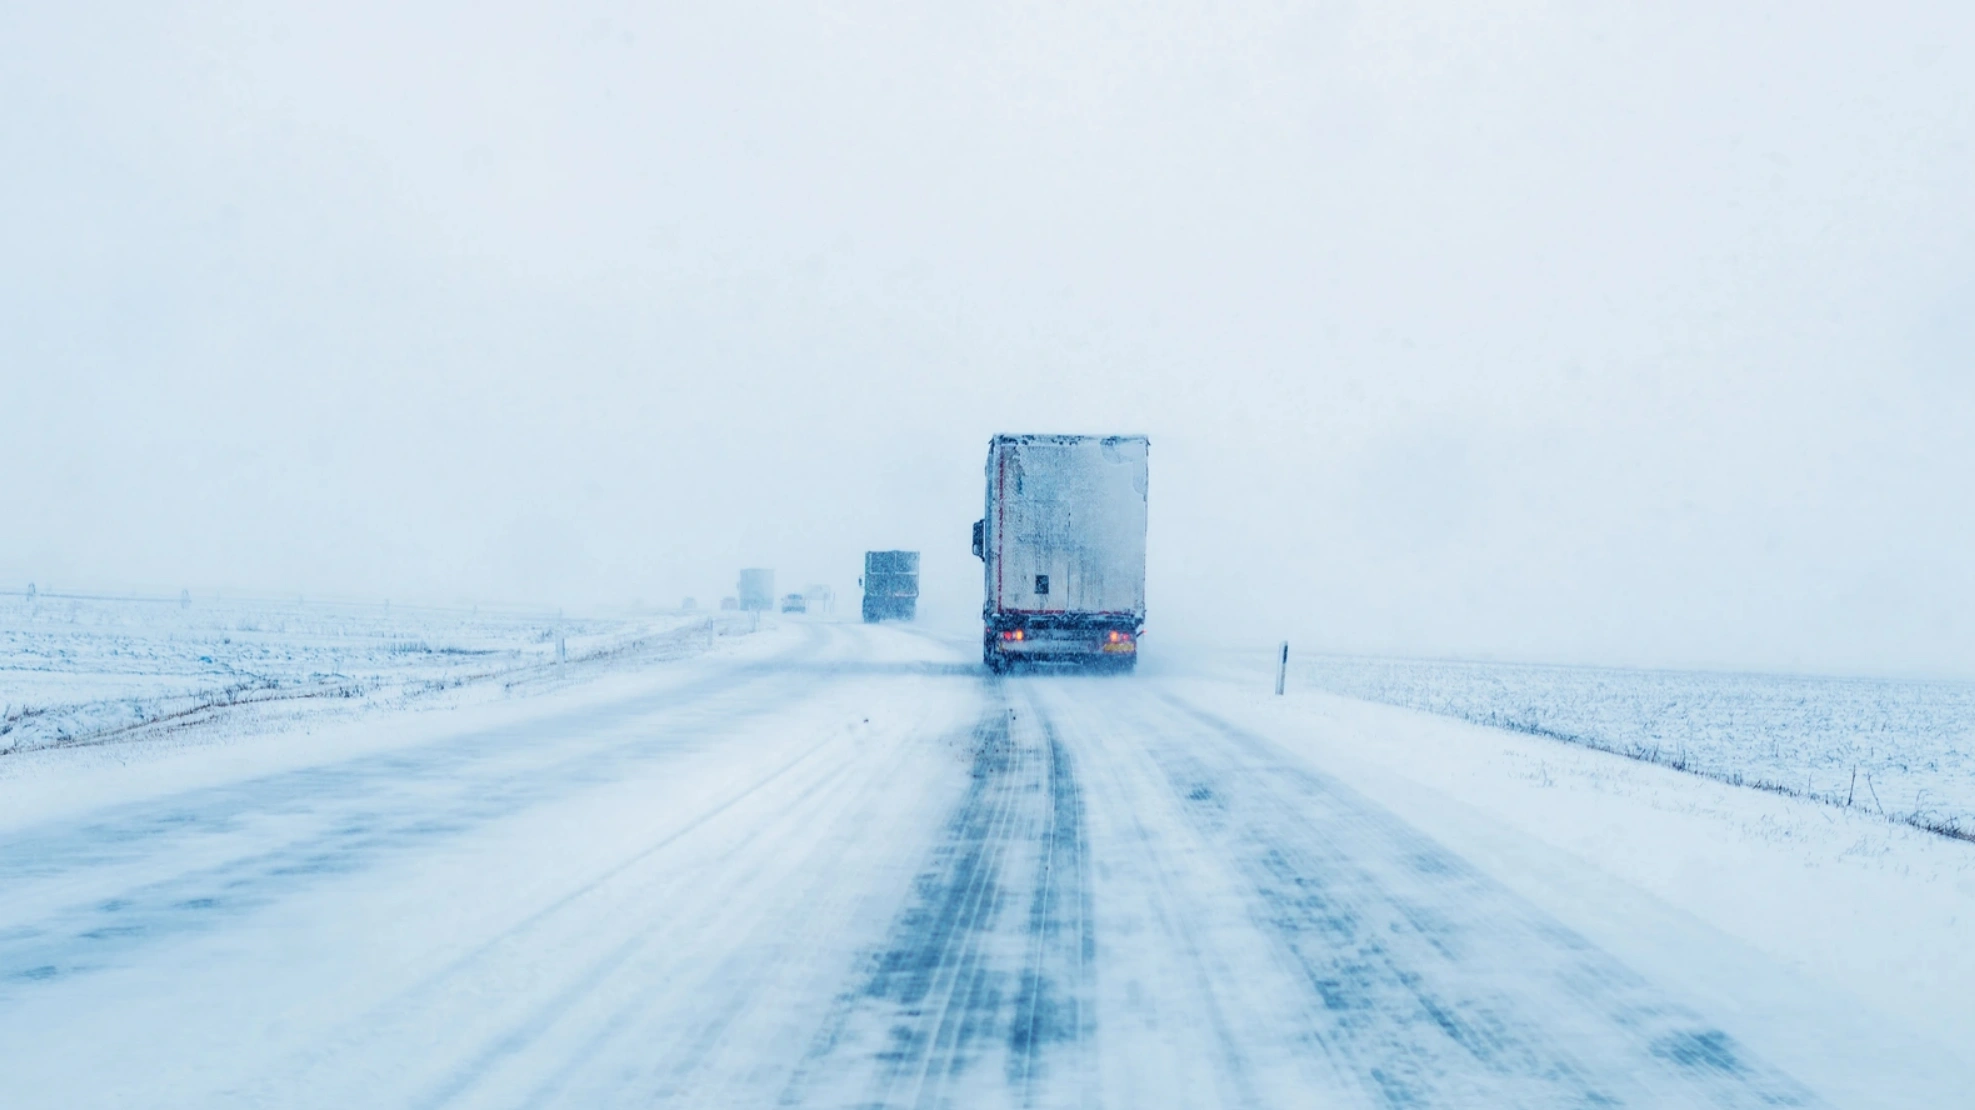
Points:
(980, 540)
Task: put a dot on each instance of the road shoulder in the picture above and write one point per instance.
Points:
(1836, 939)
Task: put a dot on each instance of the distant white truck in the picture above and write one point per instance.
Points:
(757, 590)
(1063, 544)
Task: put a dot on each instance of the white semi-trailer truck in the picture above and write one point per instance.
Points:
(757, 589)
(1063, 544)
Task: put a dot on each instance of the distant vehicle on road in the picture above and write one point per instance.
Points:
(757, 590)
(891, 586)
(1063, 544)
(794, 603)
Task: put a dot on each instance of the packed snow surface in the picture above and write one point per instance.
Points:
(840, 866)
(1905, 748)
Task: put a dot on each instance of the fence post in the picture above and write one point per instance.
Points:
(1282, 667)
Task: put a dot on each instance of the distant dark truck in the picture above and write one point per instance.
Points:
(1064, 546)
(891, 586)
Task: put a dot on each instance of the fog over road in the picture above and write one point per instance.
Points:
(851, 871)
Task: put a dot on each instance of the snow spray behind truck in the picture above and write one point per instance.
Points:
(891, 585)
(1064, 546)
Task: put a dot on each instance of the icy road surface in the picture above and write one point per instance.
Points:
(842, 867)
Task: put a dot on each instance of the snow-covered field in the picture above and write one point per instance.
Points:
(833, 865)
(80, 669)
(1898, 747)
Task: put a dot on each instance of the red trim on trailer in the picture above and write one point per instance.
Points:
(1000, 517)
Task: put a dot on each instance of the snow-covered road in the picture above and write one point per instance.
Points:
(840, 868)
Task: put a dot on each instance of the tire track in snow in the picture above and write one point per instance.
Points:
(962, 978)
(1431, 983)
(938, 970)
(1062, 932)
(1174, 1032)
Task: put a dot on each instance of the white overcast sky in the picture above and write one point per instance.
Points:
(1628, 333)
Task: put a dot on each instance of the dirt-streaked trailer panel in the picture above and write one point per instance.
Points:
(1063, 540)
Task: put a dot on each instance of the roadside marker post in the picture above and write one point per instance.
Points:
(1282, 667)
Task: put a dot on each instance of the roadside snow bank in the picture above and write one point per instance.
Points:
(1899, 747)
(79, 670)
(1654, 865)
(250, 740)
